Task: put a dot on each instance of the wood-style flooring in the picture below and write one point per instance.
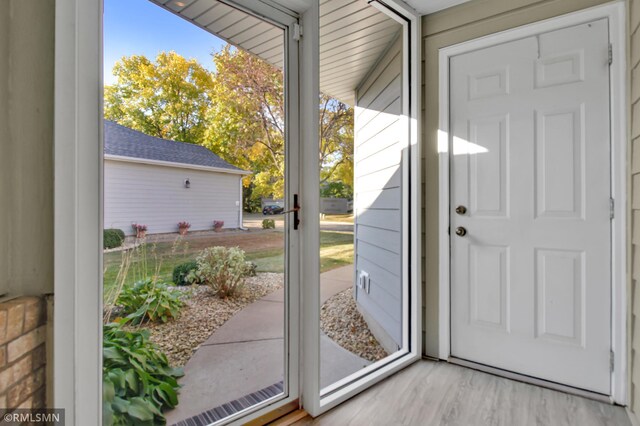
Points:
(438, 393)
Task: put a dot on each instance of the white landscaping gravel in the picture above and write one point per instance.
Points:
(203, 313)
(341, 321)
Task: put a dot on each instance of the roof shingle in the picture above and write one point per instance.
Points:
(122, 141)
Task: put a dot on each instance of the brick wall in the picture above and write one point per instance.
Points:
(23, 353)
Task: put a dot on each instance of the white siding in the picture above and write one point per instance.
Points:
(378, 191)
(156, 196)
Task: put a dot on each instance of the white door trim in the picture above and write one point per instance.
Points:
(77, 330)
(615, 13)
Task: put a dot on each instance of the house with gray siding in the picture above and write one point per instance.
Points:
(159, 182)
(378, 150)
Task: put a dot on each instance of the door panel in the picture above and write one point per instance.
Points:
(530, 281)
(560, 284)
(488, 184)
(559, 146)
(488, 284)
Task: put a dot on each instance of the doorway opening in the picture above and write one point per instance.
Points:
(199, 167)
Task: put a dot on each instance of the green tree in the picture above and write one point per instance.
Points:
(238, 112)
(247, 119)
(336, 141)
(248, 124)
(336, 190)
(168, 98)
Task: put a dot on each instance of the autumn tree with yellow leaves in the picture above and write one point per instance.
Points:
(237, 111)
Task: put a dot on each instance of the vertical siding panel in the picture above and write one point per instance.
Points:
(378, 231)
(634, 296)
(156, 196)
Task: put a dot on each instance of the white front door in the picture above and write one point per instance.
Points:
(530, 280)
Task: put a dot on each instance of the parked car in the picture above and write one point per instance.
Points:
(272, 209)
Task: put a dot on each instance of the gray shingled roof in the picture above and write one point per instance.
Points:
(122, 141)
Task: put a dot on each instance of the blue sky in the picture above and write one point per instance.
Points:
(138, 27)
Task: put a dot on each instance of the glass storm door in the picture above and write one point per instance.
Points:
(364, 317)
(212, 198)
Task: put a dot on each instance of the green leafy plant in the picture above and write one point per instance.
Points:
(149, 300)
(336, 190)
(137, 381)
(222, 269)
(181, 274)
(250, 269)
(112, 238)
(268, 224)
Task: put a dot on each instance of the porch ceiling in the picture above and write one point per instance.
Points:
(353, 35)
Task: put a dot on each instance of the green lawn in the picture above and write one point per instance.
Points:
(265, 249)
(346, 218)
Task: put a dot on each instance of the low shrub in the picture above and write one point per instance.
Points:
(149, 300)
(223, 269)
(112, 238)
(250, 269)
(181, 274)
(137, 381)
(268, 224)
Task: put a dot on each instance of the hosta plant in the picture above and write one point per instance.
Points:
(250, 269)
(137, 381)
(182, 274)
(149, 300)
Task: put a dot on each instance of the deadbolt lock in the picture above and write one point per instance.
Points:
(460, 231)
(461, 210)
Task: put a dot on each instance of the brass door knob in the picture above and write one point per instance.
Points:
(460, 231)
(461, 210)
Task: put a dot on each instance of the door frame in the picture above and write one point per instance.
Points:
(615, 13)
(78, 207)
(313, 400)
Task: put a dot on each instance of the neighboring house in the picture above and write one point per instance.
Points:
(159, 182)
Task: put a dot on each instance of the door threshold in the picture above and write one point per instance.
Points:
(279, 416)
(531, 380)
(291, 418)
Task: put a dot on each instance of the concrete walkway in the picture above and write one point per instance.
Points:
(247, 354)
